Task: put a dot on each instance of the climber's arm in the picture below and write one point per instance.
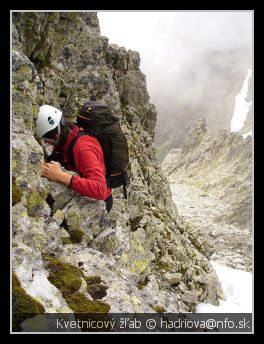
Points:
(52, 171)
(88, 158)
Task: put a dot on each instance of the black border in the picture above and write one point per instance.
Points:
(5, 132)
(5, 171)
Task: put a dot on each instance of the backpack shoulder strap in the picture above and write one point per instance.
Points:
(70, 148)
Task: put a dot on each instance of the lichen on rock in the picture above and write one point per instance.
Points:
(63, 61)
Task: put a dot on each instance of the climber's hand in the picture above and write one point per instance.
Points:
(53, 172)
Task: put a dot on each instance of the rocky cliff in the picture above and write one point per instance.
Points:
(69, 255)
(219, 165)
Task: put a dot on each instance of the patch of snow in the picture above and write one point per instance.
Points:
(237, 288)
(241, 106)
(247, 134)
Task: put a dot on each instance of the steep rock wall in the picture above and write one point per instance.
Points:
(62, 240)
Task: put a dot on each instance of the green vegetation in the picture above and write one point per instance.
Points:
(35, 202)
(23, 305)
(68, 279)
(16, 193)
(166, 234)
(76, 236)
(229, 180)
(95, 288)
(92, 279)
(69, 15)
(158, 309)
(66, 241)
(164, 267)
(80, 304)
(65, 277)
(142, 283)
(158, 215)
(134, 223)
(85, 309)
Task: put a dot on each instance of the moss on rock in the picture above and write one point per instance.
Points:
(76, 236)
(166, 235)
(14, 164)
(95, 288)
(66, 241)
(85, 309)
(97, 291)
(16, 193)
(24, 71)
(23, 305)
(158, 309)
(80, 304)
(92, 279)
(35, 203)
(65, 277)
(69, 15)
(164, 267)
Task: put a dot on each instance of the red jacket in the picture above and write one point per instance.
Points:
(89, 163)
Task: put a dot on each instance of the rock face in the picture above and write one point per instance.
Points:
(214, 173)
(62, 240)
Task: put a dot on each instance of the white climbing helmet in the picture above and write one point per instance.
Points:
(48, 119)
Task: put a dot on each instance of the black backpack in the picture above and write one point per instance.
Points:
(98, 121)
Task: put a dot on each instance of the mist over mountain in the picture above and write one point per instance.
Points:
(206, 86)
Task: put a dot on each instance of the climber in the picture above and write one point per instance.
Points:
(53, 128)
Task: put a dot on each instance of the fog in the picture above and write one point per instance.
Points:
(195, 62)
(176, 32)
(166, 39)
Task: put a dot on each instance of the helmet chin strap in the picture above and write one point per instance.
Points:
(62, 121)
(59, 132)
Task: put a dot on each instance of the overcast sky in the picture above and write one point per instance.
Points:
(186, 30)
(166, 39)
